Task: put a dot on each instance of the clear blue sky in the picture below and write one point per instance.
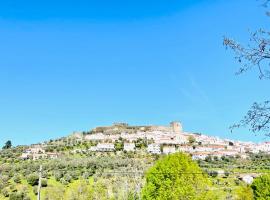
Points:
(74, 65)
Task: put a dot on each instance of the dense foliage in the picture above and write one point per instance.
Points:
(176, 177)
(261, 188)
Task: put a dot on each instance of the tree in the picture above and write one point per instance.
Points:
(176, 177)
(191, 140)
(254, 55)
(119, 145)
(7, 145)
(141, 143)
(261, 187)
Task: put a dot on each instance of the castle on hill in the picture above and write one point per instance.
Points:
(174, 126)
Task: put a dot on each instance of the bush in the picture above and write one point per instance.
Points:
(58, 175)
(5, 192)
(17, 179)
(44, 183)
(67, 178)
(32, 179)
(213, 174)
(16, 196)
(35, 190)
(63, 181)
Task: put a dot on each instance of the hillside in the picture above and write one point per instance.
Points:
(110, 163)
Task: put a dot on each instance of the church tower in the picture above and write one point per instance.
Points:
(176, 127)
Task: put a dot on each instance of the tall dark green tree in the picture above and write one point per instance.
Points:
(7, 145)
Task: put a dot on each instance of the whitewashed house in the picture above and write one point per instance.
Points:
(169, 149)
(199, 155)
(154, 149)
(129, 147)
(105, 147)
(52, 155)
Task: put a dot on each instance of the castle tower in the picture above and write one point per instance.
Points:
(176, 127)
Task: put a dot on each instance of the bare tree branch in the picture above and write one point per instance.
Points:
(256, 54)
(258, 118)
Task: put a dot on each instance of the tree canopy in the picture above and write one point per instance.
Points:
(7, 145)
(176, 177)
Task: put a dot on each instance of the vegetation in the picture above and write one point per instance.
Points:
(120, 175)
(7, 145)
(176, 177)
(191, 140)
(261, 188)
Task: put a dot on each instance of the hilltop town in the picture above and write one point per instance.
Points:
(151, 139)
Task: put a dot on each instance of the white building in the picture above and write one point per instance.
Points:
(169, 149)
(248, 179)
(97, 136)
(105, 147)
(129, 147)
(186, 148)
(154, 149)
(25, 156)
(35, 150)
(200, 155)
(38, 156)
(52, 155)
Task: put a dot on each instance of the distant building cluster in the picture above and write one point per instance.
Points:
(37, 152)
(171, 139)
(159, 140)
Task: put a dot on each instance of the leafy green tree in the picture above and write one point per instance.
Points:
(176, 177)
(261, 188)
(7, 145)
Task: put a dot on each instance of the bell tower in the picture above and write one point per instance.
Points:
(176, 127)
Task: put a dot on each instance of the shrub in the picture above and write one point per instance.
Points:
(5, 192)
(32, 179)
(44, 183)
(35, 190)
(213, 174)
(17, 178)
(16, 196)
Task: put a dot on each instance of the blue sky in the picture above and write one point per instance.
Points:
(74, 65)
